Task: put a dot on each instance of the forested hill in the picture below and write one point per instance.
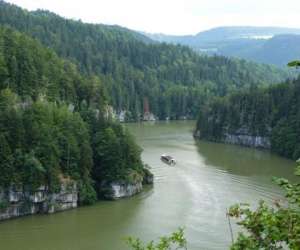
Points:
(54, 125)
(173, 79)
(270, 113)
(259, 44)
(32, 72)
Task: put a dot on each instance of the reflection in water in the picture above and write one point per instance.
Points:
(207, 179)
(244, 161)
(102, 226)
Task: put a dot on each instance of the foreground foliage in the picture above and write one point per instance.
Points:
(175, 241)
(270, 227)
(294, 64)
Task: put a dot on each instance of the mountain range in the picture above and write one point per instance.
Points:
(137, 74)
(272, 45)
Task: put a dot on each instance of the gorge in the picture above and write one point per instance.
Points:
(208, 178)
(87, 110)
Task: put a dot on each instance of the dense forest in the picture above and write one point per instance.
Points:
(174, 80)
(58, 79)
(54, 123)
(269, 112)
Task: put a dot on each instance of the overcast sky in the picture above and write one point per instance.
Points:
(174, 16)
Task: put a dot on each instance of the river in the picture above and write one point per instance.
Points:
(195, 194)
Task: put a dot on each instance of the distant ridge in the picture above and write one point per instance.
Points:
(252, 43)
(173, 79)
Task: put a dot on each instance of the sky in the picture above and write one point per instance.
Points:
(176, 17)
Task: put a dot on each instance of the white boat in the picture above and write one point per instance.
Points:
(168, 159)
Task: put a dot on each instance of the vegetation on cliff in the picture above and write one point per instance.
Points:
(54, 111)
(272, 112)
(54, 122)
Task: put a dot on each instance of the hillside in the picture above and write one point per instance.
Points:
(260, 44)
(222, 34)
(136, 72)
(268, 118)
(278, 50)
(53, 121)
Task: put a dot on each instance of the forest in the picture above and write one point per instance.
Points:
(272, 112)
(173, 79)
(62, 81)
(54, 123)
(59, 79)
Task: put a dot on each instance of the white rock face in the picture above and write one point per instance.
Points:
(38, 196)
(19, 202)
(14, 195)
(120, 190)
(248, 140)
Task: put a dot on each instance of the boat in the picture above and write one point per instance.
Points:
(168, 159)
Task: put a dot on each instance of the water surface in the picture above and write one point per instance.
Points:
(194, 194)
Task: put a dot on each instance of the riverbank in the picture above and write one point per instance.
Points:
(207, 180)
(18, 201)
(238, 138)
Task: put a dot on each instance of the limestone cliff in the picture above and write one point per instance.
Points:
(248, 140)
(121, 189)
(16, 201)
(241, 137)
(19, 201)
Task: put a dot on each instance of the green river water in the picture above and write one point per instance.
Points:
(194, 194)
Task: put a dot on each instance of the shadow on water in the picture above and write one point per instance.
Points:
(208, 178)
(244, 161)
(101, 226)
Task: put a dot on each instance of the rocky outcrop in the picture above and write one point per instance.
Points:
(122, 189)
(148, 178)
(119, 189)
(241, 137)
(248, 140)
(197, 134)
(15, 202)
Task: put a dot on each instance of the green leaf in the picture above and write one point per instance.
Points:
(294, 63)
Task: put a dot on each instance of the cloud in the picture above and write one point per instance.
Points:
(174, 16)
